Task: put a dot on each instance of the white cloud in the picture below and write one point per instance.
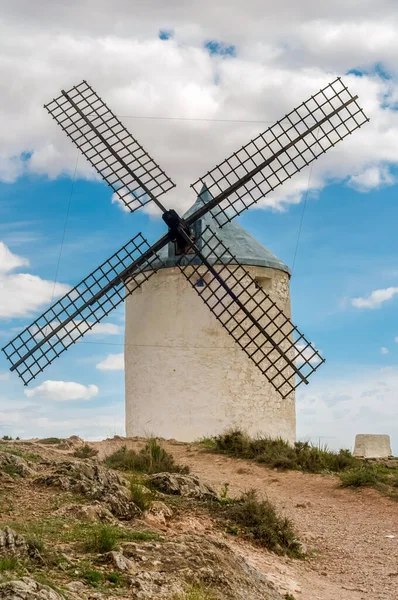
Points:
(10, 261)
(307, 354)
(23, 293)
(79, 327)
(113, 362)
(384, 350)
(61, 391)
(181, 79)
(372, 178)
(375, 299)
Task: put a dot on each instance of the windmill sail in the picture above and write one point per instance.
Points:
(291, 144)
(120, 160)
(81, 309)
(250, 316)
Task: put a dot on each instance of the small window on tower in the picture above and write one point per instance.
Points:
(264, 283)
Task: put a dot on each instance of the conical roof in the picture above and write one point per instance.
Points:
(242, 245)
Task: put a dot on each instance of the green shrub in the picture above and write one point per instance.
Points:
(102, 538)
(7, 438)
(93, 578)
(50, 440)
(259, 521)
(8, 563)
(36, 546)
(13, 470)
(278, 454)
(141, 496)
(114, 578)
(363, 476)
(150, 459)
(85, 451)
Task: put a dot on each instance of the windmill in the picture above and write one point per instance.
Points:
(252, 318)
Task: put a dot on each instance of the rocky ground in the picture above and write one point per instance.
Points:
(52, 504)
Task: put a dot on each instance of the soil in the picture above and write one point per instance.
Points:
(345, 529)
(351, 535)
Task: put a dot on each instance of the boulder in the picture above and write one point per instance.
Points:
(189, 486)
(121, 563)
(27, 589)
(86, 512)
(14, 465)
(158, 513)
(164, 569)
(11, 542)
(94, 482)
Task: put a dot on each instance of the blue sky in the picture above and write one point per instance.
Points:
(347, 248)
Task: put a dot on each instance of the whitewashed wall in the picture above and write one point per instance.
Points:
(185, 376)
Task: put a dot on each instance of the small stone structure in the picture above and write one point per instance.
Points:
(185, 377)
(370, 445)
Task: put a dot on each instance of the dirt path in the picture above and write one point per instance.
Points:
(355, 560)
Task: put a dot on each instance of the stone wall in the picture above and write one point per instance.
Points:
(185, 375)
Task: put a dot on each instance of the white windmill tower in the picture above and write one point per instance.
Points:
(193, 367)
(185, 377)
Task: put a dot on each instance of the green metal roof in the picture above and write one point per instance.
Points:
(242, 245)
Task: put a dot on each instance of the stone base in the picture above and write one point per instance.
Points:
(369, 445)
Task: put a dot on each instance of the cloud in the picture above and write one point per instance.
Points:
(307, 354)
(182, 79)
(23, 293)
(337, 408)
(375, 299)
(371, 179)
(61, 391)
(4, 376)
(113, 362)
(384, 350)
(10, 261)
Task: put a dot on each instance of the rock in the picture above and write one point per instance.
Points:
(121, 562)
(86, 512)
(27, 589)
(14, 465)
(11, 542)
(158, 513)
(182, 485)
(164, 569)
(95, 482)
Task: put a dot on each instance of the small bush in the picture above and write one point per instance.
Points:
(93, 578)
(85, 451)
(363, 476)
(259, 521)
(36, 546)
(13, 470)
(8, 563)
(141, 496)
(150, 459)
(103, 538)
(114, 578)
(7, 438)
(278, 454)
(50, 440)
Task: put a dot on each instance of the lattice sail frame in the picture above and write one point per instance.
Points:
(325, 128)
(115, 154)
(236, 184)
(285, 369)
(80, 310)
